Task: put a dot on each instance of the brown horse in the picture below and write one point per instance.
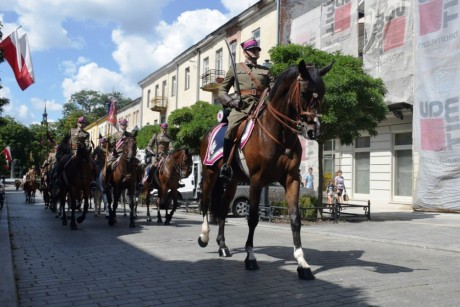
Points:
(77, 174)
(30, 187)
(273, 153)
(124, 175)
(176, 166)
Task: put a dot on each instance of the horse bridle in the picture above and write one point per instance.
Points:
(295, 125)
(181, 166)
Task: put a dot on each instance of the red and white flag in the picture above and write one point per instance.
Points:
(112, 116)
(17, 52)
(7, 153)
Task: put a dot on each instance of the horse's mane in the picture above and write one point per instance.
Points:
(292, 72)
(179, 149)
(287, 74)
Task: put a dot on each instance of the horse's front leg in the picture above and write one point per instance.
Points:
(220, 202)
(73, 207)
(131, 208)
(170, 215)
(113, 208)
(253, 220)
(292, 197)
(147, 199)
(203, 239)
(82, 217)
(61, 210)
(159, 202)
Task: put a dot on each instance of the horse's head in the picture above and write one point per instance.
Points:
(184, 162)
(309, 98)
(129, 148)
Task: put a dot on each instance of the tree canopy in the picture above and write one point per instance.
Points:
(91, 104)
(188, 125)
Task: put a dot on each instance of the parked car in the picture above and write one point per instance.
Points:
(239, 204)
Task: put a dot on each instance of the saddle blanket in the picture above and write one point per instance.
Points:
(215, 150)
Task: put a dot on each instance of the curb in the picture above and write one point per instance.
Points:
(8, 292)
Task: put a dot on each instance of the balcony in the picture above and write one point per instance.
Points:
(159, 104)
(211, 80)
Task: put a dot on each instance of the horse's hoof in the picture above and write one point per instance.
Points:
(125, 215)
(132, 225)
(201, 243)
(80, 220)
(224, 252)
(167, 223)
(251, 265)
(159, 221)
(111, 222)
(149, 219)
(305, 273)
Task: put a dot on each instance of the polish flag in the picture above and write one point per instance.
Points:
(17, 52)
(7, 153)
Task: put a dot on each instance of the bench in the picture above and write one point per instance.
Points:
(334, 212)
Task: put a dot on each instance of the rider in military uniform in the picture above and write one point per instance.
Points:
(116, 152)
(99, 153)
(68, 146)
(31, 174)
(158, 147)
(253, 79)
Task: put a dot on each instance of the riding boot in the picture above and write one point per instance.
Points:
(226, 171)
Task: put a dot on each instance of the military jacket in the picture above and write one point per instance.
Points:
(253, 80)
(118, 136)
(78, 136)
(159, 143)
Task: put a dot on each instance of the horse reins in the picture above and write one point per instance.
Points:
(284, 120)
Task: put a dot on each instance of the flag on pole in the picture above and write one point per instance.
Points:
(7, 153)
(16, 51)
(112, 116)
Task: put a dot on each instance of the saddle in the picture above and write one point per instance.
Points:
(215, 152)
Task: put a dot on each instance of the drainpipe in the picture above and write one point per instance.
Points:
(177, 85)
(198, 59)
(278, 17)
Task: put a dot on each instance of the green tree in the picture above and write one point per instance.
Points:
(145, 134)
(188, 125)
(353, 103)
(3, 101)
(91, 104)
(20, 139)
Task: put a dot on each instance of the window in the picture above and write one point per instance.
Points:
(233, 52)
(219, 59)
(403, 164)
(173, 86)
(157, 90)
(205, 65)
(164, 92)
(187, 78)
(148, 99)
(328, 162)
(362, 165)
(256, 35)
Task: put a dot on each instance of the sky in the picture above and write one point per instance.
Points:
(100, 45)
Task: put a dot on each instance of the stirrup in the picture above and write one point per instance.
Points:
(226, 172)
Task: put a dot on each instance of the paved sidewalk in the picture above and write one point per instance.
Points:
(397, 259)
